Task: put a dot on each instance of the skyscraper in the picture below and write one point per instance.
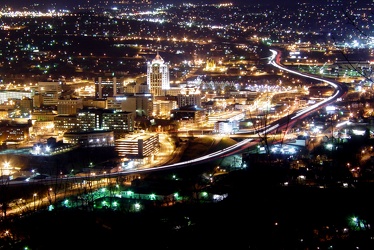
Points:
(158, 76)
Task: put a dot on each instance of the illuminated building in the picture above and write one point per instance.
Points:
(69, 106)
(161, 108)
(37, 100)
(89, 119)
(50, 99)
(43, 122)
(119, 122)
(136, 85)
(50, 92)
(107, 87)
(188, 113)
(43, 115)
(190, 95)
(226, 127)
(139, 147)
(94, 103)
(90, 138)
(6, 95)
(95, 119)
(25, 105)
(138, 104)
(43, 127)
(11, 132)
(115, 102)
(211, 66)
(50, 86)
(86, 91)
(158, 76)
(65, 123)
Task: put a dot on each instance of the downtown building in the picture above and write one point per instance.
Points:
(140, 104)
(47, 93)
(107, 87)
(189, 96)
(94, 120)
(158, 76)
(140, 148)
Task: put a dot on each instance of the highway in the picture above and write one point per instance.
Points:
(280, 125)
(285, 123)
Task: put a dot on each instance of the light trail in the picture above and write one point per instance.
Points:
(340, 91)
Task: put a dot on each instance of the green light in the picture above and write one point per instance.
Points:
(137, 206)
(356, 223)
(66, 203)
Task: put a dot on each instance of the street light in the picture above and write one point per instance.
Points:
(34, 200)
(49, 197)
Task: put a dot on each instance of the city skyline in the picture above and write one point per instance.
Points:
(154, 127)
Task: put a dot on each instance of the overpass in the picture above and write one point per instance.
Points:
(281, 125)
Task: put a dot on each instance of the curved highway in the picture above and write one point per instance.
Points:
(282, 124)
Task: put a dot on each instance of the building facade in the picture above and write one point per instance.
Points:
(50, 92)
(90, 139)
(158, 76)
(69, 106)
(141, 148)
(189, 96)
(106, 87)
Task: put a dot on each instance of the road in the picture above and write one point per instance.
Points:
(281, 125)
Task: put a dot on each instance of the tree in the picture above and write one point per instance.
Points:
(4, 195)
(360, 30)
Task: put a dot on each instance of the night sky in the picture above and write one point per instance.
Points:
(72, 3)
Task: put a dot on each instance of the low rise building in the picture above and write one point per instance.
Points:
(90, 138)
(141, 148)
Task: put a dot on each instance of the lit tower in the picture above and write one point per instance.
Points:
(158, 76)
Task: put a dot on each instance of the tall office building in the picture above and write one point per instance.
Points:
(107, 87)
(90, 119)
(158, 76)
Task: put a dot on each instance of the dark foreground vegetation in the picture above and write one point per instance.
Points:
(258, 213)
(253, 216)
